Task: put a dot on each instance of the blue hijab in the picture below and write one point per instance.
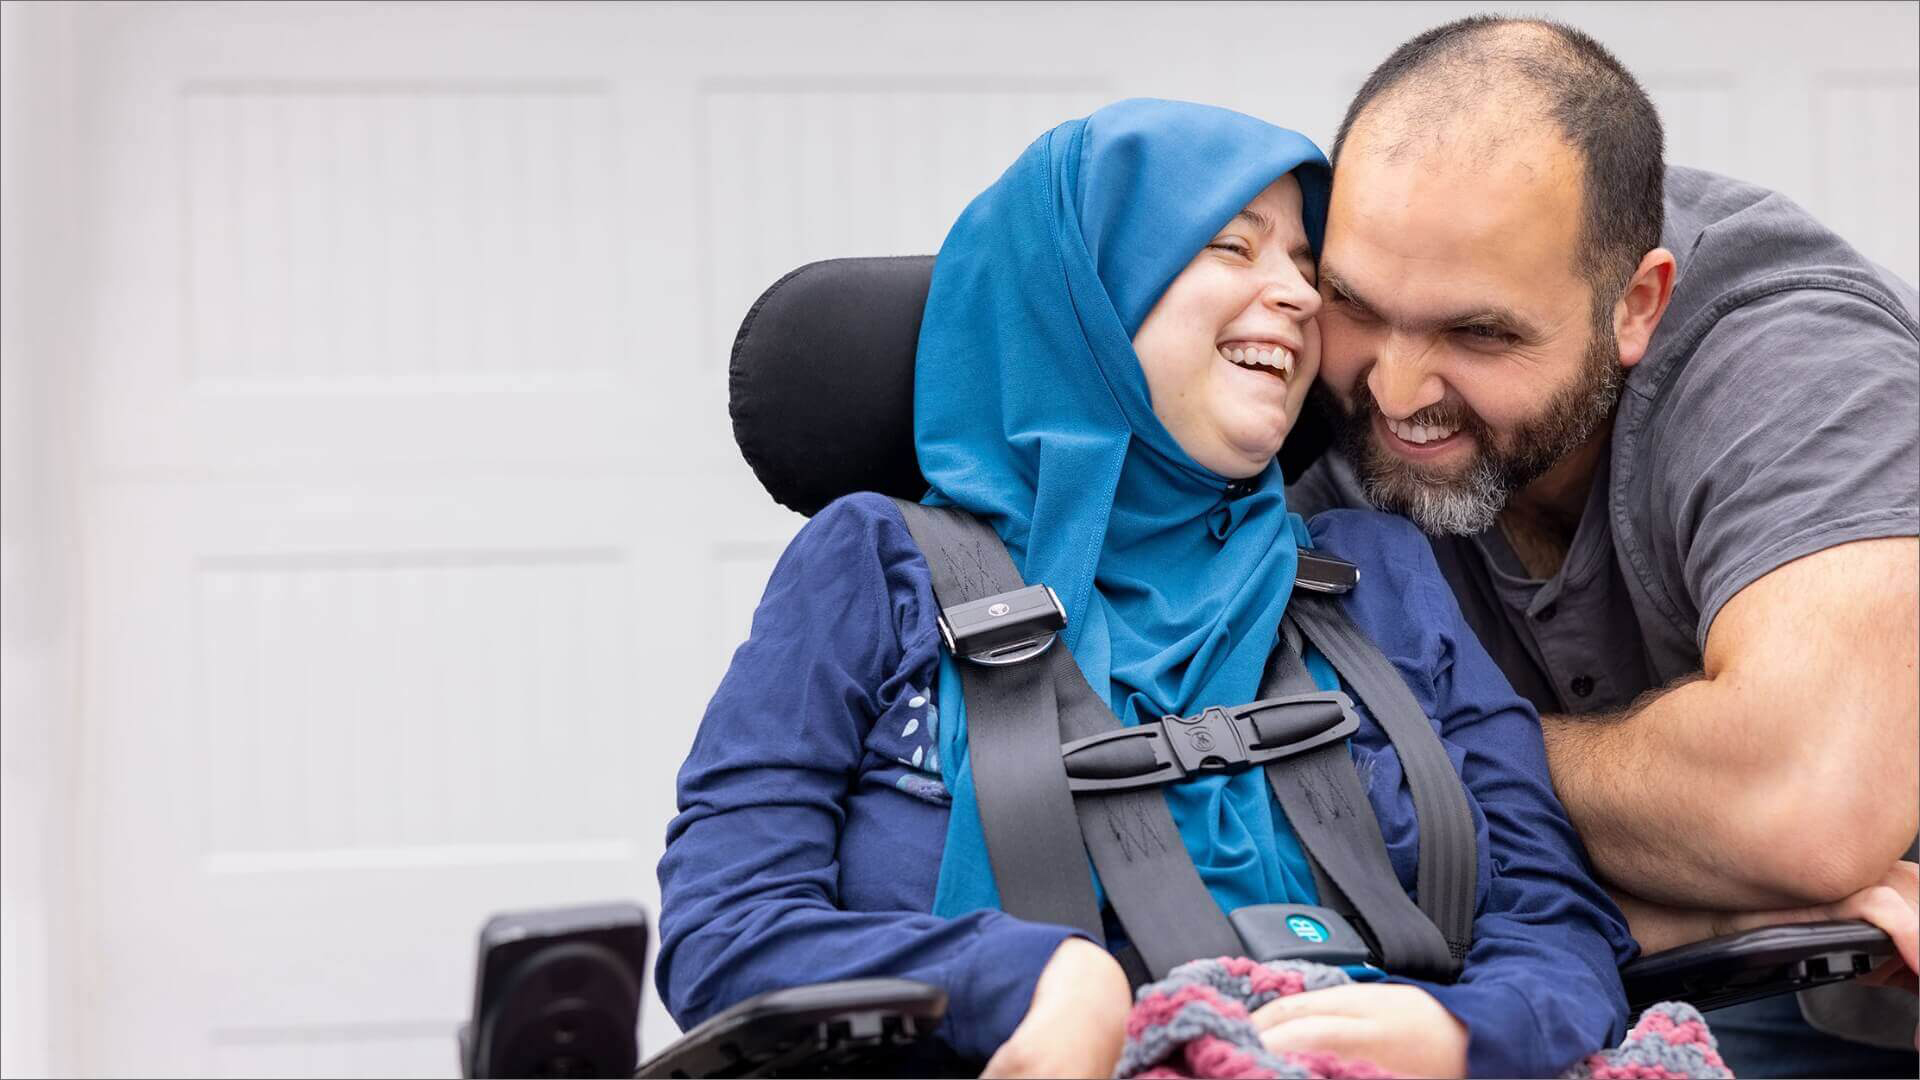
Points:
(1031, 411)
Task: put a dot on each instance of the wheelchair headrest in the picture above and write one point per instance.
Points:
(821, 383)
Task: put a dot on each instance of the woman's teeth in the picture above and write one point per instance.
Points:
(1275, 357)
(1419, 434)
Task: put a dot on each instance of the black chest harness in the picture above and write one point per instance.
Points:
(1058, 779)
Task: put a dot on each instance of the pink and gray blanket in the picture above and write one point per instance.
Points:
(1197, 1023)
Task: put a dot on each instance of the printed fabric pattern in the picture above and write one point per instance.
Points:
(1197, 1023)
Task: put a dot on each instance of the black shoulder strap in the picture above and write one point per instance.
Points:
(1449, 859)
(1026, 809)
(1039, 835)
(1328, 808)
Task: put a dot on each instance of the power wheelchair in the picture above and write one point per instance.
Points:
(821, 396)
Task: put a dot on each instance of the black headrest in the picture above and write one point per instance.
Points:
(821, 384)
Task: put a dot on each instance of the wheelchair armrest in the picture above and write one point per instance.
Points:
(1756, 964)
(851, 1028)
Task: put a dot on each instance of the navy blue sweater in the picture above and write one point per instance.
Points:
(812, 815)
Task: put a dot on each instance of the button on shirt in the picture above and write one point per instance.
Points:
(1573, 628)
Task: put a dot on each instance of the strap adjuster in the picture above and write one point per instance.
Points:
(1319, 573)
(1219, 739)
(1005, 628)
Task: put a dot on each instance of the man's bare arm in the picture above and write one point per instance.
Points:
(1893, 905)
(1786, 773)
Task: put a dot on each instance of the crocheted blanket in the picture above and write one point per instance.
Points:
(1197, 1023)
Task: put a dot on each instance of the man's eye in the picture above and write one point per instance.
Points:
(1349, 307)
(1234, 246)
(1486, 335)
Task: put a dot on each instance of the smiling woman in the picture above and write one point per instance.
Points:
(1232, 346)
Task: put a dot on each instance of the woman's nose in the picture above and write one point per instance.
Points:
(1291, 293)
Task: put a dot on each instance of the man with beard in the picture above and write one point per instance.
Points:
(1664, 432)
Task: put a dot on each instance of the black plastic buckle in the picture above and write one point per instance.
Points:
(1174, 748)
(1299, 932)
(1325, 574)
(1005, 628)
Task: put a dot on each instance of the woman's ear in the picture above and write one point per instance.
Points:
(1637, 315)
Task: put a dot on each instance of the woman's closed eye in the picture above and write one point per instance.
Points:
(1238, 247)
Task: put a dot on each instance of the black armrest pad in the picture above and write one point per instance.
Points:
(851, 1028)
(1756, 964)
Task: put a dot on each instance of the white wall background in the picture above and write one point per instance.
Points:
(373, 532)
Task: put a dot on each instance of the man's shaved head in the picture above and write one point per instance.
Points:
(1492, 265)
(1484, 83)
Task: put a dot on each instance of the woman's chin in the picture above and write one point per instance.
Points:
(1242, 463)
(1255, 446)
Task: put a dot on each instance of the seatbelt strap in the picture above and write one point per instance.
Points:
(1328, 807)
(1277, 677)
(1026, 810)
(1016, 725)
(1135, 844)
(1449, 858)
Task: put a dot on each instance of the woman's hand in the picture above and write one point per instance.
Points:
(1402, 1029)
(1076, 1024)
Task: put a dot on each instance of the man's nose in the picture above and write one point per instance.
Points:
(1403, 380)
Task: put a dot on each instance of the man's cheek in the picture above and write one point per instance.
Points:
(1340, 362)
(1313, 351)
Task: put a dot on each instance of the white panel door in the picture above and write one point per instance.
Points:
(415, 539)
(418, 537)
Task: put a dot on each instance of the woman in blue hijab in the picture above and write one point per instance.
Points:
(1118, 338)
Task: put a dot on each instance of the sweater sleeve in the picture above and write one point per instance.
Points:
(749, 882)
(1547, 940)
(1540, 987)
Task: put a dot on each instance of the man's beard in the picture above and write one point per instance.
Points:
(1468, 501)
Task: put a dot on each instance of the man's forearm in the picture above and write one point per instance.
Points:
(1892, 904)
(1685, 800)
(1639, 787)
(1658, 927)
(1784, 774)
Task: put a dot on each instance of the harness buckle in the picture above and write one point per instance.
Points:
(1005, 628)
(1325, 574)
(1299, 932)
(1219, 739)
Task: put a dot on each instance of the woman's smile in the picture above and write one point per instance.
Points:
(1230, 348)
(1266, 357)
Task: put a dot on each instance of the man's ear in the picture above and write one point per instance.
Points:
(1638, 313)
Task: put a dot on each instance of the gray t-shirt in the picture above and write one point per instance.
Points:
(1776, 413)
